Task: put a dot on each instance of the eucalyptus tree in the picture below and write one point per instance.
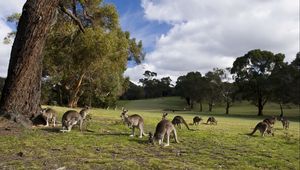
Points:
(90, 62)
(213, 89)
(191, 87)
(252, 75)
(285, 83)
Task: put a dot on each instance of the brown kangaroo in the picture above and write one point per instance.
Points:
(72, 117)
(177, 120)
(264, 128)
(49, 115)
(271, 120)
(212, 120)
(163, 128)
(133, 121)
(197, 120)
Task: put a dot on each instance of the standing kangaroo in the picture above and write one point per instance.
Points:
(197, 120)
(49, 115)
(264, 128)
(133, 121)
(212, 120)
(163, 128)
(72, 117)
(285, 122)
(177, 120)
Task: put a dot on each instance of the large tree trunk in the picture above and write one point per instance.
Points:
(200, 106)
(210, 106)
(227, 107)
(260, 107)
(22, 90)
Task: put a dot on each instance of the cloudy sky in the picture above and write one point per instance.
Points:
(180, 36)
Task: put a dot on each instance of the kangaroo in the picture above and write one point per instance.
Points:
(212, 120)
(49, 115)
(163, 128)
(133, 121)
(177, 120)
(264, 128)
(72, 117)
(271, 121)
(285, 122)
(197, 120)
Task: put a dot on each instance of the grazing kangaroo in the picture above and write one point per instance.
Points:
(271, 121)
(177, 120)
(133, 121)
(163, 128)
(49, 115)
(72, 117)
(197, 120)
(212, 120)
(264, 128)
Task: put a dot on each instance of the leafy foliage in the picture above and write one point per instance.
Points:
(252, 75)
(89, 64)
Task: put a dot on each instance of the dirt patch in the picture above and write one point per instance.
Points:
(8, 127)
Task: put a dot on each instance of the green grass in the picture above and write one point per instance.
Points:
(108, 146)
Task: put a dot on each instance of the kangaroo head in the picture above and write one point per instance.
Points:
(124, 114)
(83, 113)
(151, 138)
(43, 111)
(164, 115)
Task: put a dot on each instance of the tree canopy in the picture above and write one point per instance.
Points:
(252, 75)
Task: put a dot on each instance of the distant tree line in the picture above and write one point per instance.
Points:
(258, 76)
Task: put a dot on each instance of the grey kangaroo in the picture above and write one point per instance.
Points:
(163, 128)
(212, 120)
(197, 120)
(133, 121)
(72, 117)
(49, 115)
(264, 128)
(177, 120)
(285, 122)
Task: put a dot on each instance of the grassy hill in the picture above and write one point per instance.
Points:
(107, 145)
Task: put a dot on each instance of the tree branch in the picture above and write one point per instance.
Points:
(74, 8)
(77, 21)
(85, 13)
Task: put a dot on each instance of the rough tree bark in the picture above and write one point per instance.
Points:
(22, 90)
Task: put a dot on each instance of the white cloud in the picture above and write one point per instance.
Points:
(7, 8)
(208, 34)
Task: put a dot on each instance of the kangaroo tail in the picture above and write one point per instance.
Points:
(184, 122)
(175, 135)
(254, 130)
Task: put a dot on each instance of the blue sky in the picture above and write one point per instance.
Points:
(132, 19)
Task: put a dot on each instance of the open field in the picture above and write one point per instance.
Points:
(107, 144)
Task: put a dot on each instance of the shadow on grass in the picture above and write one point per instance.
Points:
(52, 129)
